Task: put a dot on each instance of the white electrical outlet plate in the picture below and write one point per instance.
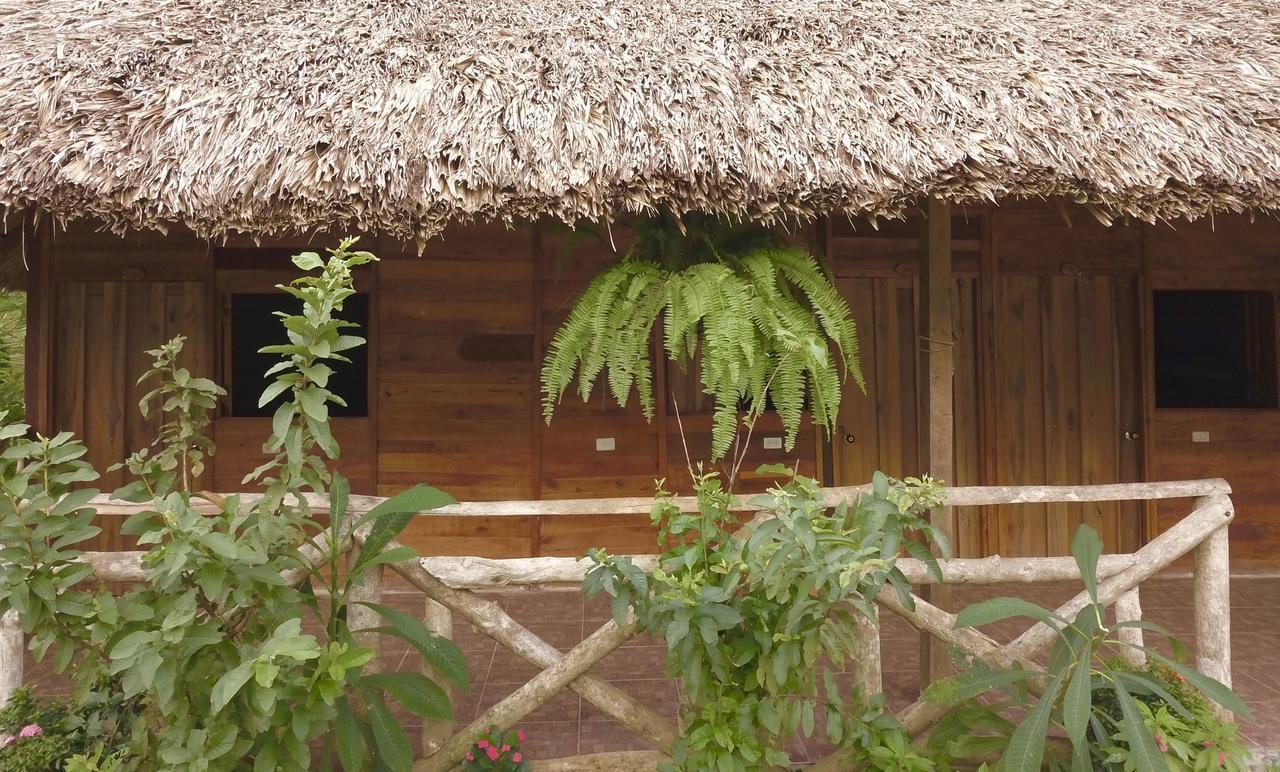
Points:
(605, 443)
(1199, 436)
(773, 443)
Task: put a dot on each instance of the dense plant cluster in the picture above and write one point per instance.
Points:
(497, 751)
(759, 617)
(1114, 716)
(206, 665)
(764, 316)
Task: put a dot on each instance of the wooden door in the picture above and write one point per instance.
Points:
(1066, 402)
(102, 331)
(880, 430)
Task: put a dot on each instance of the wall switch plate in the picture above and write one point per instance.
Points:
(605, 443)
(773, 443)
(1199, 436)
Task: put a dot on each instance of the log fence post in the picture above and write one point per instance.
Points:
(1129, 609)
(439, 620)
(1212, 609)
(367, 589)
(868, 668)
(11, 651)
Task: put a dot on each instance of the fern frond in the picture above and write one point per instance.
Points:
(762, 318)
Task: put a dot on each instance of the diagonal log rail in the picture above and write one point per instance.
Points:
(452, 586)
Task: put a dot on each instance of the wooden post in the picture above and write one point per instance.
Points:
(936, 374)
(11, 649)
(1129, 609)
(439, 620)
(868, 669)
(1212, 608)
(359, 617)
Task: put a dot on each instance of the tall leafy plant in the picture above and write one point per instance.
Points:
(758, 617)
(209, 655)
(1100, 705)
(770, 326)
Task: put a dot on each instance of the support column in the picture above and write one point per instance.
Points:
(936, 377)
(1212, 609)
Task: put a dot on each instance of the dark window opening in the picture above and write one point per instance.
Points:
(1215, 349)
(253, 325)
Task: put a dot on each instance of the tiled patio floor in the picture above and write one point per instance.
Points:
(568, 725)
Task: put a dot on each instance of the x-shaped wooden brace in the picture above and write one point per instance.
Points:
(1213, 513)
(560, 671)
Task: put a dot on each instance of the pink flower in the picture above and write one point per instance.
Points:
(517, 757)
(31, 730)
(1222, 759)
(505, 747)
(482, 743)
(493, 753)
(471, 757)
(521, 735)
(7, 740)
(1161, 744)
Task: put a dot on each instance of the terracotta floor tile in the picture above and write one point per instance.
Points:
(608, 735)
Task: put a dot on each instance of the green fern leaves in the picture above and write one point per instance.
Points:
(764, 317)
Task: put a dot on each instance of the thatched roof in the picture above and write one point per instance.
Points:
(397, 115)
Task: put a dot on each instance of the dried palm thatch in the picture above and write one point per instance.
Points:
(398, 115)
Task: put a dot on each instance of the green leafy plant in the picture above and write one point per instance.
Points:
(34, 736)
(756, 616)
(497, 750)
(13, 334)
(1097, 704)
(764, 316)
(206, 665)
(1191, 739)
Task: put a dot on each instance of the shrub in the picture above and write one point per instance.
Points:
(205, 665)
(36, 737)
(758, 620)
(497, 750)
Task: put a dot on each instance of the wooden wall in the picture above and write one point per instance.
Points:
(1052, 357)
(1232, 253)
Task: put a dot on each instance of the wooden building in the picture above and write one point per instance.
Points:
(1054, 230)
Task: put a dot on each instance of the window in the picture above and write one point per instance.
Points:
(252, 324)
(1215, 349)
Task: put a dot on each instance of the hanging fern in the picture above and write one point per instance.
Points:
(764, 316)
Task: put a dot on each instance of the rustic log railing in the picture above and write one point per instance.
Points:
(451, 586)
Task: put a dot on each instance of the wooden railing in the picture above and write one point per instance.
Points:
(452, 586)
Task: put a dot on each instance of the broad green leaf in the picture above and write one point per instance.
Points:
(308, 261)
(347, 738)
(440, 653)
(393, 555)
(1142, 744)
(997, 609)
(392, 743)
(391, 516)
(1077, 703)
(414, 691)
(1026, 748)
(924, 555)
(229, 685)
(1086, 546)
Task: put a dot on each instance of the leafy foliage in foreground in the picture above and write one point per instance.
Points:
(758, 622)
(206, 666)
(1116, 717)
(764, 316)
(13, 335)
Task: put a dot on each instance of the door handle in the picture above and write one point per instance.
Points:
(848, 435)
(1131, 435)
